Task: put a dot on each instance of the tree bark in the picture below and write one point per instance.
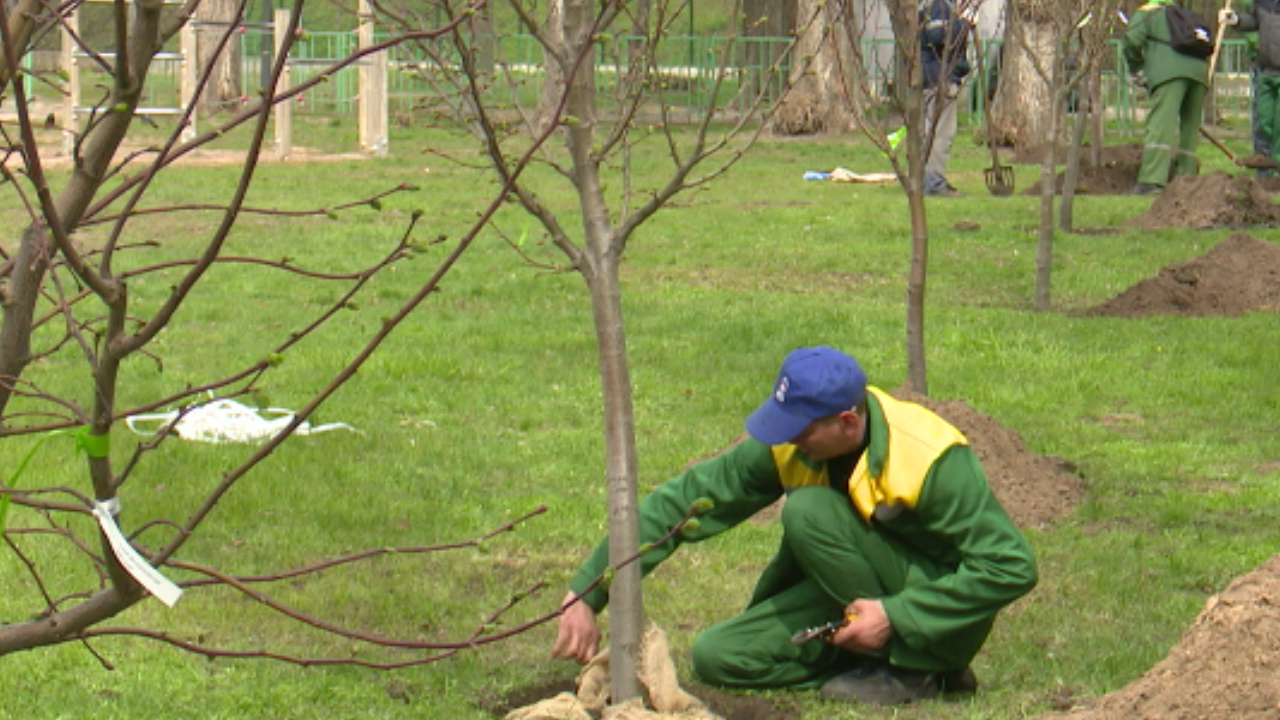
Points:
(766, 19)
(215, 18)
(604, 252)
(823, 84)
(554, 63)
(1018, 118)
(909, 98)
(1044, 242)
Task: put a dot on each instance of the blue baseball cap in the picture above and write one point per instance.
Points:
(814, 382)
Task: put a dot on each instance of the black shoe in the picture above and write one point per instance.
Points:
(944, 191)
(884, 684)
(1145, 189)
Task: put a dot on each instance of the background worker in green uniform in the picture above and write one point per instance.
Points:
(1176, 83)
(889, 522)
(1261, 19)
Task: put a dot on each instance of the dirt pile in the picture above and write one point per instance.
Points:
(1035, 490)
(1238, 275)
(1115, 173)
(1210, 201)
(1227, 665)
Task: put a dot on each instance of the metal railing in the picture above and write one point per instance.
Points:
(692, 72)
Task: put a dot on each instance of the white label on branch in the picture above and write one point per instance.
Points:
(150, 578)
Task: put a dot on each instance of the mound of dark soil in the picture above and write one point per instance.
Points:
(1035, 490)
(1100, 180)
(1216, 200)
(1227, 665)
(1115, 173)
(1238, 275)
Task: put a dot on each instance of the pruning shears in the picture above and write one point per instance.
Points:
(823, 632)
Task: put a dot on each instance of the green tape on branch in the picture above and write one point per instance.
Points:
(896, 136)
(96, 446)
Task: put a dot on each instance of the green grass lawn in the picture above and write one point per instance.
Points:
(485, 405)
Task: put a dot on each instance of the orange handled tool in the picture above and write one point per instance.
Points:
(821, 631)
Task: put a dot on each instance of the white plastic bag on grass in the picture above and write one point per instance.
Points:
(226, 421)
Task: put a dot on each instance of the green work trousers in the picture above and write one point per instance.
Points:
(1266, 108)
(829, 557)
(1173, 127)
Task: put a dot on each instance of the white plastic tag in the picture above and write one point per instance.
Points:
(158, 585)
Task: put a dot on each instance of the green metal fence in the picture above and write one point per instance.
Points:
(693, 72)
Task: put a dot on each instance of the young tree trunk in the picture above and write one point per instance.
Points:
(1071, 176)
(909, 96)
(1097, 115)
(603, 255)
(1044, 242)
(822, 93)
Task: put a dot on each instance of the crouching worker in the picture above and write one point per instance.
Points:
(889, 527)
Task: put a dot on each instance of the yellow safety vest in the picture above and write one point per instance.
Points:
(892, 480)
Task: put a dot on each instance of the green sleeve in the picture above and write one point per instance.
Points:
(1135, 39)
(739, 482)
(995, 563)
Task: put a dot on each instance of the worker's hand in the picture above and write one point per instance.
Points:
(578, 637)
(952, 90)
(1227, 16)
(869, 628)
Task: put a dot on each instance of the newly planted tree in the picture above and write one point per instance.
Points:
(75, 324)
(1080, 32)
(620, 102)
(847, 79)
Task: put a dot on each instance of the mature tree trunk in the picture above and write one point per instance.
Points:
(1017, 113)
(824, 77)
(215, 18)
(766, 19)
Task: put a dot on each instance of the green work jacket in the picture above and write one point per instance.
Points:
(1146, 48)
(952, 518)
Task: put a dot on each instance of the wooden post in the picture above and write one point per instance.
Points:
(371, 92)
(188, 79)
(283, 111)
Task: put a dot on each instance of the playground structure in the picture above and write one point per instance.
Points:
(370, 95)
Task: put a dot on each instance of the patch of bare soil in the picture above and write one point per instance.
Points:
(1216, 200)
(1238, 275)
(1115, 173)
(1227, 664)
(1124, 155)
